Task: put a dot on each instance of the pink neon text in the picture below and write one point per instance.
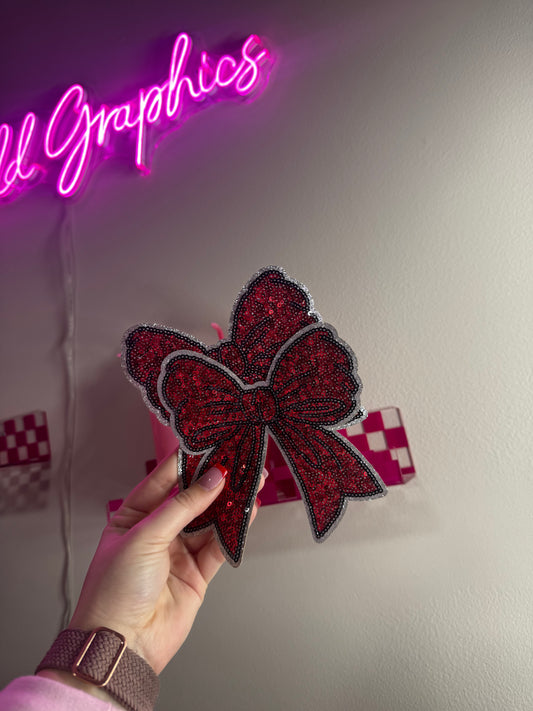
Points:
(77, 135)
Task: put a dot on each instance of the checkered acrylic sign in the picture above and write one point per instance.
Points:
(24, 440)
(24, 462)
(382, 440)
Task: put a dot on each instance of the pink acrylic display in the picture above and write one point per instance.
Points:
(25, 459)
(381, 439)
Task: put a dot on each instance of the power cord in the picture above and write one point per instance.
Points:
(65, 472)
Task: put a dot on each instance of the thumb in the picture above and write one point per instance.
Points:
(167, 521)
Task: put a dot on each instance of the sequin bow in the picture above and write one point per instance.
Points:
(282, 373)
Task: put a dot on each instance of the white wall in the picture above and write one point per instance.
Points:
(388, 167)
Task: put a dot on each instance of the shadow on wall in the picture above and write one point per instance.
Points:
(405, 512)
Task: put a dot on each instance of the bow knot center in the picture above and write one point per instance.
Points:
(259, 404)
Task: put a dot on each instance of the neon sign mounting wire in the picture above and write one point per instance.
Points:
(68, 345)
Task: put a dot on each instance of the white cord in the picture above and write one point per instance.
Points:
(65, 473)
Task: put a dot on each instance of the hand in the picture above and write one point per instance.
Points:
(145, 580)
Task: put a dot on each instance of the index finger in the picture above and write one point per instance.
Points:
(153, 489)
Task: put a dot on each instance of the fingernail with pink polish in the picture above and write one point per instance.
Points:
(265, 473)
(213, 477)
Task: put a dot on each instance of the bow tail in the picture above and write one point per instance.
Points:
(243, 456)
(329, 470)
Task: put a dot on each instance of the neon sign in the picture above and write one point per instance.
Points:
(76, 134)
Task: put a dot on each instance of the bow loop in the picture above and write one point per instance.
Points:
(314, 378)
(204, 399)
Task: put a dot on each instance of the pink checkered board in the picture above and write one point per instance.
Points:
(24, 488)
(24, 440)
(382, 440)
(24, 463)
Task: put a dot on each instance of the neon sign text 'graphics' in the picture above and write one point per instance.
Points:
(76, 134)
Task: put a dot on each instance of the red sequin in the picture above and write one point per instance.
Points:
(283, 373)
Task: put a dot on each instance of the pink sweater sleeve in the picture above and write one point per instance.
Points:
(36, 693)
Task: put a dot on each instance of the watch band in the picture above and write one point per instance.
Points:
(102, 658)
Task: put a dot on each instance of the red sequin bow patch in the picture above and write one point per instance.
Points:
(282, 373)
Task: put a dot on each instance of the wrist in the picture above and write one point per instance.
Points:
(100, 662)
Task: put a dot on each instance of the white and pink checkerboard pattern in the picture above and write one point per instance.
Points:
(24, 440)
(381, 438)
(24, 463)
(383, 432)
